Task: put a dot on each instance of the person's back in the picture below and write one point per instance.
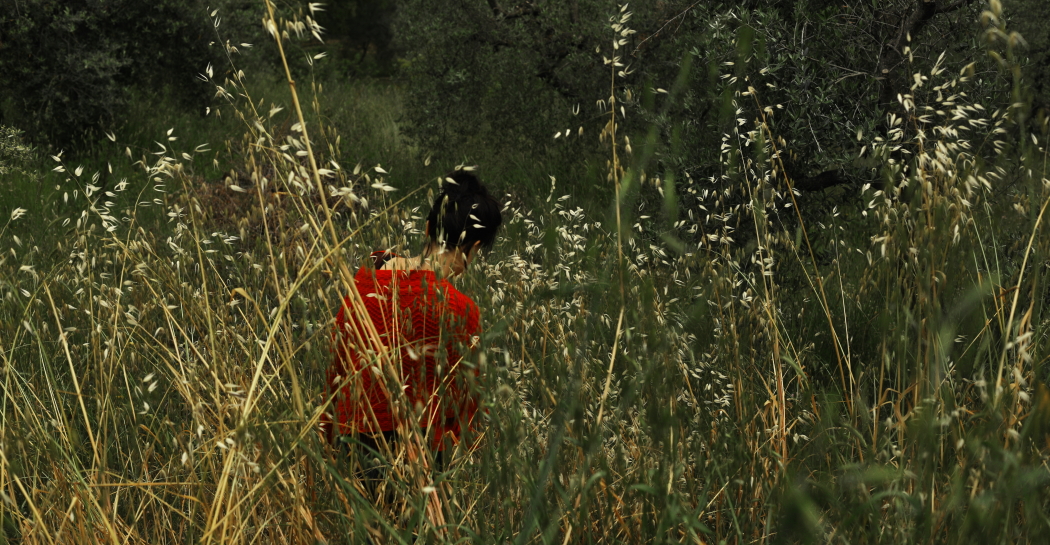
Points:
(401, 367)
(427, 324)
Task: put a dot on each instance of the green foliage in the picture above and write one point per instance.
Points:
(1028, 18)
(14, 152)
(816, 63)
(359, 35)
(509, 77)
(66, 67)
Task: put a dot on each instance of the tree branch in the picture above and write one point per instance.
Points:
(661, 29)
(497, 11)
(820, 182)
(893, 53)
(522, 11)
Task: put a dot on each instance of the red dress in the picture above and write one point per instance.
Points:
(427, 324)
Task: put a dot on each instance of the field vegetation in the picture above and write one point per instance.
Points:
(749, 289)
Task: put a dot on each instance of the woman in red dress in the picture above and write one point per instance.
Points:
(398, 367)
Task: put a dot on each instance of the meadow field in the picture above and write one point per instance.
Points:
(664, 358)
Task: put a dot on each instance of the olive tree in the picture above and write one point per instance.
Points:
(66, 67)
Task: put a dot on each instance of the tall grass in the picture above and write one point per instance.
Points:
(735, 372)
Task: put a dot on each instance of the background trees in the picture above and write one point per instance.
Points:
(507, 76)
(67, 68)
(513, 74)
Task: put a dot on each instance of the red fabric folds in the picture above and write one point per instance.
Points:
(425, 324)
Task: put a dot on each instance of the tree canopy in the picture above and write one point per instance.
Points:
(66, 67)
(518, 73)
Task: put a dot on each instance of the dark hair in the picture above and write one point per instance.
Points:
(463, 213)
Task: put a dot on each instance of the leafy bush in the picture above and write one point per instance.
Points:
(487, 76)
(14, 152)
(359, 34)
(66, 66)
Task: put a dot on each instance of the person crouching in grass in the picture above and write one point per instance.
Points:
(398, 375)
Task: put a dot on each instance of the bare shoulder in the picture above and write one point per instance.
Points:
(400, 264)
